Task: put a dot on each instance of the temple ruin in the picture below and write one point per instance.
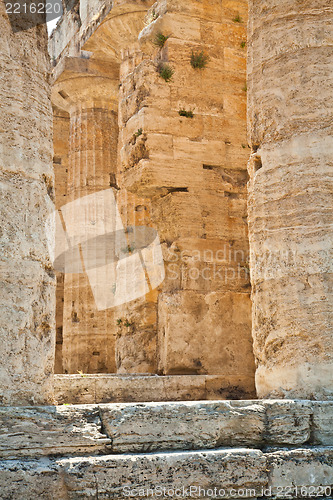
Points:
(197, 134)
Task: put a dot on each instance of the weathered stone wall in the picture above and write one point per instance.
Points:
(290, 196)
(193, 169)
(27, 310)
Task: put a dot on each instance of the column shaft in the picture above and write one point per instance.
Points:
(290, 196)
(89, 334)
(27, 305)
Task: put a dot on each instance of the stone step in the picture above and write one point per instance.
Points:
(146, 427)
(110, 388)
(221, 473)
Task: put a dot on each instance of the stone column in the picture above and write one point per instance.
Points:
(290, 197)
(27, 305)
(88, 90)
(117, 37)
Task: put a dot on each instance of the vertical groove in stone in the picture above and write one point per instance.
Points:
(290, 196)
(61, 125)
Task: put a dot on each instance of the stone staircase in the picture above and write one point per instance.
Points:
(203, 449)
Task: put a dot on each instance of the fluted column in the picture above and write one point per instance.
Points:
(136, 341)
(27, 295)
(89, 94)
(290, 196)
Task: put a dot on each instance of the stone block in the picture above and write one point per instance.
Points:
(184, 320)
(288, 422)
(322, 423)
(116, 475)
(309, 470)
(51, 430)
(182, 426)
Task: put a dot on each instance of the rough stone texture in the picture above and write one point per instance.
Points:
(27, 323)
(289, 422)
(60, 167)
(51, 430)
(147, 427)
(182, 426)
(212, 424)
(100, 388)
(222, 319)
(87, 91)
(322, 423)
(267, 475)
(309, 469)
(290, 196)
(112, 476)
(209, 469)
(67, 441)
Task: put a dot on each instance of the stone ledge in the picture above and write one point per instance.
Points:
(104, 388)
(76, 430)
(225, 469)
(51, 430)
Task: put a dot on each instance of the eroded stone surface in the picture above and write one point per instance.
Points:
(145, 427)
(228, 470)
(27, 323)
(307, 468)
(114, 476)
(51, 430)
(120, 388)
(288, 422)
(290, 196)
(182, 425)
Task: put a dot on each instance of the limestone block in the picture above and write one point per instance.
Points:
(199, 262)
(182, 426)
(288, 422)
(90, 389)
(211, 217)
(115, 475)
(150, 178)
(308, 468)
(98, 388)
(131, 360)
(61, 430)
(185, 347)
(31, 479)
(322, 430)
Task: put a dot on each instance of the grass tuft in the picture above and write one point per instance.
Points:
(138, 132)
(199, 60)
(187, 114)
(160, 39)
(165, 71)
(237, 19)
